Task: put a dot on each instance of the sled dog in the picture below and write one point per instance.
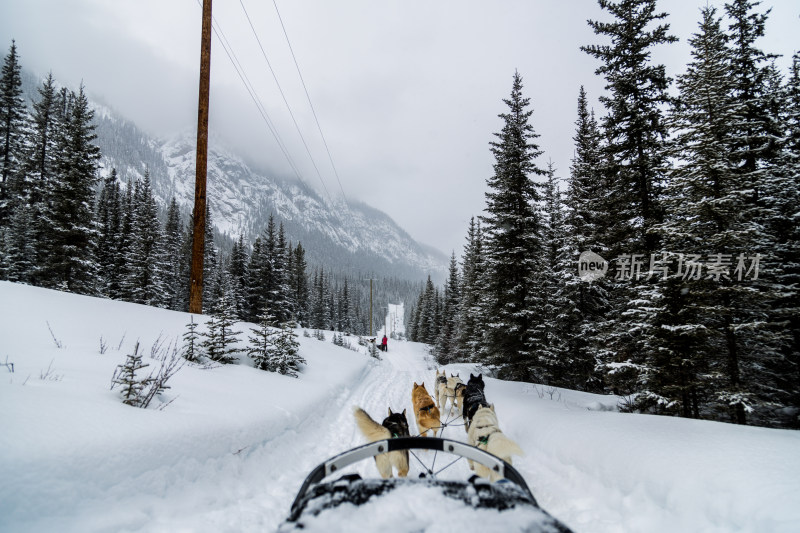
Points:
(394, 425)
(485, 434)
(454, 385)
(425, 410)
(473, 397)
(441, 390)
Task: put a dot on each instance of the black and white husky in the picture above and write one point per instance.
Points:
(473, 398)
(394, 425)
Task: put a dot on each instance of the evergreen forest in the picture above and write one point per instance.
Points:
(686, 190)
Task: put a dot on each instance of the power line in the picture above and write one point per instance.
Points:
(226, 46)
(285, 101)
(297, 66)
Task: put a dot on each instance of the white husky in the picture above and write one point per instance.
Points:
(455, 392)
(485, 434)
(440, 391)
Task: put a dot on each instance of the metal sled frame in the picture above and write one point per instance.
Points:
(343, 460)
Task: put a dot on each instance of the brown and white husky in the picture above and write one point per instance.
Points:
(425, 410)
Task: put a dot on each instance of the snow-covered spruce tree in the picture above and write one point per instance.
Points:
(71, 264)
(347, 318)
(39, 168)
(320, 312)
(108, 219)
(115, 285)
(268, 275)
(185, 266)
(262, 346)
(755, 334)
(221, 338)
(427, 314)
(470, 331)
(237, 270)
(4, 264)
(12, 129)
(145, 280)
(43, 140)
(513, 247)
(299, 285)
(191, 341)
(702, 202)
(170, 258)
(634, 164)
(20, 241)
(555, 326)
(269, 280)
(583, 226)
(438, 307)
(125, 377)
(288, 358)
(446, 341)
(255, 274)
(280, 292)
(788, 245)
(331, 319)
(410, 321)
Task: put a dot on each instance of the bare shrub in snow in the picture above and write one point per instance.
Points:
(49, 375)
(171, 363)
(119, 346)
(57, 342)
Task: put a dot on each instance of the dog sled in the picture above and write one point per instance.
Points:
(352, 503)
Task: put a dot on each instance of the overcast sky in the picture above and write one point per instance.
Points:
(407, 92)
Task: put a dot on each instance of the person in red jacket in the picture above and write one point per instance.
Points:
(384, 343)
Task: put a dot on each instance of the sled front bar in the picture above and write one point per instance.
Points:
(343, 460)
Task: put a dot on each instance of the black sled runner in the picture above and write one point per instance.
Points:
(352, 503)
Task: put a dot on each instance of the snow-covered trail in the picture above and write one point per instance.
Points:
(258, 485)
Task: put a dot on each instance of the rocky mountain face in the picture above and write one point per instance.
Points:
(350, 238)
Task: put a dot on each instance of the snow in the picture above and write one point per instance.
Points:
(235, 443)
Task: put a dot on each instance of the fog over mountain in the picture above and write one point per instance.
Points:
(341, 236)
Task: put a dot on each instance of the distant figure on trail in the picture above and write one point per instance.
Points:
(384, 343)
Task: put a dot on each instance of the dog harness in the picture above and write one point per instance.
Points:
(485, 439)
(431, 406)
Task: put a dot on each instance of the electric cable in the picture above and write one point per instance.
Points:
(239, 68)
(308, 96)
(285, 101)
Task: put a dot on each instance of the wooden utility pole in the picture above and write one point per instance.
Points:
(370, 307)
(201, 166)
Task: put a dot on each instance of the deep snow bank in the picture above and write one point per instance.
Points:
(69, 446)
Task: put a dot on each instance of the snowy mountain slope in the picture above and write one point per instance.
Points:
(341, 235)
(233, 446)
